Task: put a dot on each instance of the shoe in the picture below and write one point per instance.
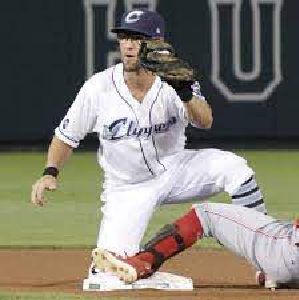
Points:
(260, 278)
(93, 270)
(128, 269)
(263, 280)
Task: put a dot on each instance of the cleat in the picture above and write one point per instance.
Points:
(93, 270)
(128, 269)
(260, 277)
(263, 280)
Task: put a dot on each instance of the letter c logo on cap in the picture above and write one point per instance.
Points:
(134, 16)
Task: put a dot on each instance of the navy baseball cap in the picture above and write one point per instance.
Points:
(146, 22)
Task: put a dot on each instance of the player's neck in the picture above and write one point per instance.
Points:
(140, 79)
(139, 83)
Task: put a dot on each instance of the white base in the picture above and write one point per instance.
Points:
(160, 280)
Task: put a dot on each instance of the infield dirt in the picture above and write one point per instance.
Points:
(217, 274)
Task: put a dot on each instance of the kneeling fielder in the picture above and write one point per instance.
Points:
(270, 245)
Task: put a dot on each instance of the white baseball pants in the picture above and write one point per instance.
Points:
(202, 173)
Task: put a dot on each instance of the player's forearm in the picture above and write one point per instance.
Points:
(58, 153)
(199, 113)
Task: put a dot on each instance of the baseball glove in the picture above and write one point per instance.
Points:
(159, 57)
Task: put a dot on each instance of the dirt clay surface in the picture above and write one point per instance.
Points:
(216, 274)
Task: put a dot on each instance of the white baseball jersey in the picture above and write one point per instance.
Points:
(143, 156)
(137, 140)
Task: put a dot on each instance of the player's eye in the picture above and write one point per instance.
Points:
(121, 36)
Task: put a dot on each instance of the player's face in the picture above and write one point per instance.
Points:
(129, 50)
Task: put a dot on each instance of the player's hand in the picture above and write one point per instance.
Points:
(45, 183)
(160, 58)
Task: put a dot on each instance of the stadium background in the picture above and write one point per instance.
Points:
(48, 49)
(46, 58)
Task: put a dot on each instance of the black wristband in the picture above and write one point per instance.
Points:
(185, 94)
(52, 171)
(183, 89)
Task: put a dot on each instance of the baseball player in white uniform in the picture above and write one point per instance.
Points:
(140, 121)
(270, 245)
